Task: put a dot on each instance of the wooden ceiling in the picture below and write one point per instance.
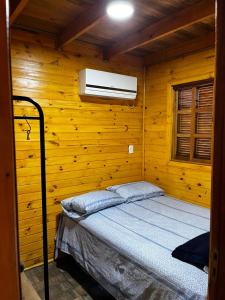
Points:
(158, 26)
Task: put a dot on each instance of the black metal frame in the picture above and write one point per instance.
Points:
(43, 183)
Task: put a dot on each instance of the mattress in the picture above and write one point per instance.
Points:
(127, 248)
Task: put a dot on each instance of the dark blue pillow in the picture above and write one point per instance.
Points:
(195, 251)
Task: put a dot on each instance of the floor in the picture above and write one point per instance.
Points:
(28, 292)
(73, 284)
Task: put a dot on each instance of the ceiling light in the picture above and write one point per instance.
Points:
(120, 10)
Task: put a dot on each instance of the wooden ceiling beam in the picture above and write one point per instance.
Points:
(184, 48)
(179, 20)
(16, 8)
(83, 23)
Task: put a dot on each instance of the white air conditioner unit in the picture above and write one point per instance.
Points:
(104, 84)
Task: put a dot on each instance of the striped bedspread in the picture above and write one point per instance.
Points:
(127, 248)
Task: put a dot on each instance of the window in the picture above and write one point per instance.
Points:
(193, 122)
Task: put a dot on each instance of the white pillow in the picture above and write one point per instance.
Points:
(91, 202)
(135, 191)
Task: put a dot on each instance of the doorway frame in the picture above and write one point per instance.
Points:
(10, 286)
(217, 245)
(9, 258)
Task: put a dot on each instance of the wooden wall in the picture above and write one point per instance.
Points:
(86, 143)
(186, 181)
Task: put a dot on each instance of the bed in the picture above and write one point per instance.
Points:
(127, 248)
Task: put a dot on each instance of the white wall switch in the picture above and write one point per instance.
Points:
(131, 149)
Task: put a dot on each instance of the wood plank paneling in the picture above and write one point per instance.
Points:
(164, 27)
(16, 8)
(86, 143)
(183, 180)
(181, 49)
(83, 23)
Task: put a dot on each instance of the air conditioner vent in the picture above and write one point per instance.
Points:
(105, 84)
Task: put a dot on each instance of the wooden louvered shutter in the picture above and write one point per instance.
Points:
(204, 121)
(183, 141)
(193, 122)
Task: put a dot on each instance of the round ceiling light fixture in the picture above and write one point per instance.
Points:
(120, 10)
